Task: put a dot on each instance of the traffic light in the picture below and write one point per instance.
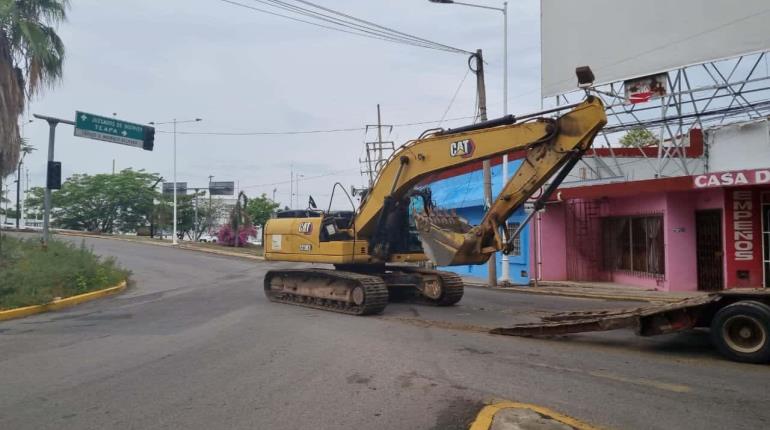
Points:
(149, 138)
(53, 180)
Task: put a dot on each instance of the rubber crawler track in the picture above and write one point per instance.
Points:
(453, 288)
(375, 291)
(451, 283)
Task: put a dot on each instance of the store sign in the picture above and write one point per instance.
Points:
(743, 225)
(743, 238)
(644, 89)
(731, 179)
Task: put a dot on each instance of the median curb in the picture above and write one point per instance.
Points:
(220, 252)
(167, 245)
(505, 415)
(58, 304)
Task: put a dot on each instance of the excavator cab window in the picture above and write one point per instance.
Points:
(334, 224)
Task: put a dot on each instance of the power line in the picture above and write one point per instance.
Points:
(369, 31)
(393, 36)
(295, 132)
(305, 178)
(454, 96)
(384, 28)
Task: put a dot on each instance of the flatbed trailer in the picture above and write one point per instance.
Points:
(739, 320)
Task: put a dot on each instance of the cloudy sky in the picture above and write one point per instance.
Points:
(244, 71)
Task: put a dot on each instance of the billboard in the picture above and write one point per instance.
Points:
(624, 39)
(222, 188)
(181, 188)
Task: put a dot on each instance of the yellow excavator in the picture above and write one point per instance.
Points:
(375, 248)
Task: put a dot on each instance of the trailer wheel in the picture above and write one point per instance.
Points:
(741, 331)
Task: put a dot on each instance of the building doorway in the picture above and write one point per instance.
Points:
(708, 233)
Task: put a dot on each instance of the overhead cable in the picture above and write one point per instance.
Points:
(294, 132)
(367, 29)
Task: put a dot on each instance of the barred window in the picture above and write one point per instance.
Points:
(516, 248)
(633, 244)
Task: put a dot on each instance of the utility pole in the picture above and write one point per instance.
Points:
(377, 152)
(173, 238)
(18, 192)
(209, 214)
(486, 165)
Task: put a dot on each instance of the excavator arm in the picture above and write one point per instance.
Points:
(546, 145)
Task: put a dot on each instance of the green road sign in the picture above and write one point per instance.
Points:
(114, 130)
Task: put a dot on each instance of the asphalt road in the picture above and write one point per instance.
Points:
(193, 344)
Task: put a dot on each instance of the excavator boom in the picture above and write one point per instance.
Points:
(448, 241)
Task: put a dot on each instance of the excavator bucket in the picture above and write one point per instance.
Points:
(448, 240)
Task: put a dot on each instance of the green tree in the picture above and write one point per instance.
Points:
(638, 137)
(260, 209)
(33, 203)
(104, 202)
(191, 223)
(31, 57)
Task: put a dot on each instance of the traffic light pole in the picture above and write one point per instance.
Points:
(52, 123)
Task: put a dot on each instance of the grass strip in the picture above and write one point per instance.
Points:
(30, 275)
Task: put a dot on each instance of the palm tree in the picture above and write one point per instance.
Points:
(31, 57)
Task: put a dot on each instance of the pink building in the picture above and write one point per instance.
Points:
(707, 231)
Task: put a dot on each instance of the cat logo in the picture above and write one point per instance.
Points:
(306, 227)
(462, 148)
(305, 247)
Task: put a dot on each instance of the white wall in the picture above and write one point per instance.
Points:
(622, 39)
(739, 146)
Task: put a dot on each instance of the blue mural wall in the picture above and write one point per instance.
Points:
(465, 194)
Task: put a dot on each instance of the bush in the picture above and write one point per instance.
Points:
(31, 276)
(226, 237)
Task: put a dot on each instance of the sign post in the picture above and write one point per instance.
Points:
(94, 127)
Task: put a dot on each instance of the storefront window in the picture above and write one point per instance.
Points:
(633, 244)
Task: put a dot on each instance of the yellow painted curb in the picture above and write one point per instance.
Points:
(484, 419)
(60, 303)
(221, 252)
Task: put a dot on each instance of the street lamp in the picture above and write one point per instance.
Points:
(297, 176)
(175, 122)
(25, 150)
(504, 10)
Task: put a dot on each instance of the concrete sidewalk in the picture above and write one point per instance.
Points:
(592, 290)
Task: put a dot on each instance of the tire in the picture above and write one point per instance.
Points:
(741, 331)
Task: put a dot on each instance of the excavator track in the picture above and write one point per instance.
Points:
(331, 290)
(451, 291)
(453, 288)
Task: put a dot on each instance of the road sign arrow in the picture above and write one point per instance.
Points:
(113, 130)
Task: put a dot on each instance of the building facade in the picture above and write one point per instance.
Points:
(708, 230)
